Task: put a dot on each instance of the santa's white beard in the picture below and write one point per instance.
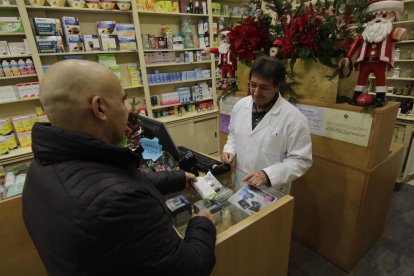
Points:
(223, 48)
(376, 32)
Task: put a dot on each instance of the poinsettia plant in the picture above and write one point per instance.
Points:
(249, 38)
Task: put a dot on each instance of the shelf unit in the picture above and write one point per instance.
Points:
(144, 22)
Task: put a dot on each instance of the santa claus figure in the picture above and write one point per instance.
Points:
(227, 62)
(376, 47)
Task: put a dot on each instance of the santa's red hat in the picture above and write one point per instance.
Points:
(386, 5)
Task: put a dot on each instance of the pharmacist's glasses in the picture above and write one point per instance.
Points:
(263, 88)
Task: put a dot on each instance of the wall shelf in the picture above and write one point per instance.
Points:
(88, 53)
(176, 82)
(16, 155)
(19, 77)
(171, 14)
(405, 41)
(20, 100)
(177, 63)
(12, 34)
(173, 50)
(132, 87)
(157, 107)
(187, 115)
(70, 9)
(15, 56)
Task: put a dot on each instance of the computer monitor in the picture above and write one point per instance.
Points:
(153, 128)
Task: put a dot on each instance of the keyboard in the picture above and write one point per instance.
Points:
(204, 163)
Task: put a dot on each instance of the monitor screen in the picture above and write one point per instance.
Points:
(153, 128)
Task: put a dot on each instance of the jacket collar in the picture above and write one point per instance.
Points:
(54, 145)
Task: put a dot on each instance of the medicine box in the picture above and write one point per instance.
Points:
(50, 44)
(247, 201)
(11, 25)
(213, 206)
(106, 27)
(48, 26)
(4, 48)
(17, 48)
(91, 43)
(8, 93)
(180, 209)
(109, 42)
(75, 43)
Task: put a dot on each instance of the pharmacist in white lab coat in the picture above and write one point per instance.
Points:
(268, 136)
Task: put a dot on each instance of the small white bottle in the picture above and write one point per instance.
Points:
(396, 73)
(29, 66)
(204, 7)
(6, 68)
(397, 54)
(22, 66)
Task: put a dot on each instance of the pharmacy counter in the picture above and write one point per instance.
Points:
(258, 245)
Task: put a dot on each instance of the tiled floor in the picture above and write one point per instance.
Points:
(391, 255)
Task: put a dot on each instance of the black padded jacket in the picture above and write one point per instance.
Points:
(89, 211)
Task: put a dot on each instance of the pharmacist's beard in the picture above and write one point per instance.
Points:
(223, 48)
(377, 30)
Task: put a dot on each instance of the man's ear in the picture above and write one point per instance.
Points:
(98, 107)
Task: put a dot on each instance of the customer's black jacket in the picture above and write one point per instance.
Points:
(90, 212)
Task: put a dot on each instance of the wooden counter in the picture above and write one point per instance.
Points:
(341, 203)
(258, 245)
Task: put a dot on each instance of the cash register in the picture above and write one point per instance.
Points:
(189, 160)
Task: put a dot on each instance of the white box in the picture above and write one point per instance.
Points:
(4, 48)
(17, 48)
(109, 43)
(91, 43)
(8, 93)
(75, 43)
(26, 47)
(106, 27)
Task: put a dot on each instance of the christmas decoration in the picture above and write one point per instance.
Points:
(364, 100)
(375, 47)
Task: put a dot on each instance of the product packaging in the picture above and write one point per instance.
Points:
(91, 43)
(48, 26)
(11, 25)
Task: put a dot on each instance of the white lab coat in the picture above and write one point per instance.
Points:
(280, 144)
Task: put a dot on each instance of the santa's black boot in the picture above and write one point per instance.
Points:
(380, 100)
(354, 98)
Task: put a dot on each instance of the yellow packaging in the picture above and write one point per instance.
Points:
(18, 124)
(132, 67)
(11, 141)
(141, 5)
(4, 148)
(39, 111)
(27, 123)
(23, 140)
(34, 119)
(175, 7)
(135, 78)
(5, 127)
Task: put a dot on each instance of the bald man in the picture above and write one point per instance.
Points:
(87, 208)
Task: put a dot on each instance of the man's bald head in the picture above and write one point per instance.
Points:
(68, 93)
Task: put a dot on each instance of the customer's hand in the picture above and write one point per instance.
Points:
(190, 179)
(227, 157)
(207, 214)
(257, 178)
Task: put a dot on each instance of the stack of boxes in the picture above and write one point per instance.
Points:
(17, 131)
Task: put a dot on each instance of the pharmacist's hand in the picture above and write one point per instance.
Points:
(190, 179)
(207, 214)
(206, 50)
(257, 178)
(227, 157)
